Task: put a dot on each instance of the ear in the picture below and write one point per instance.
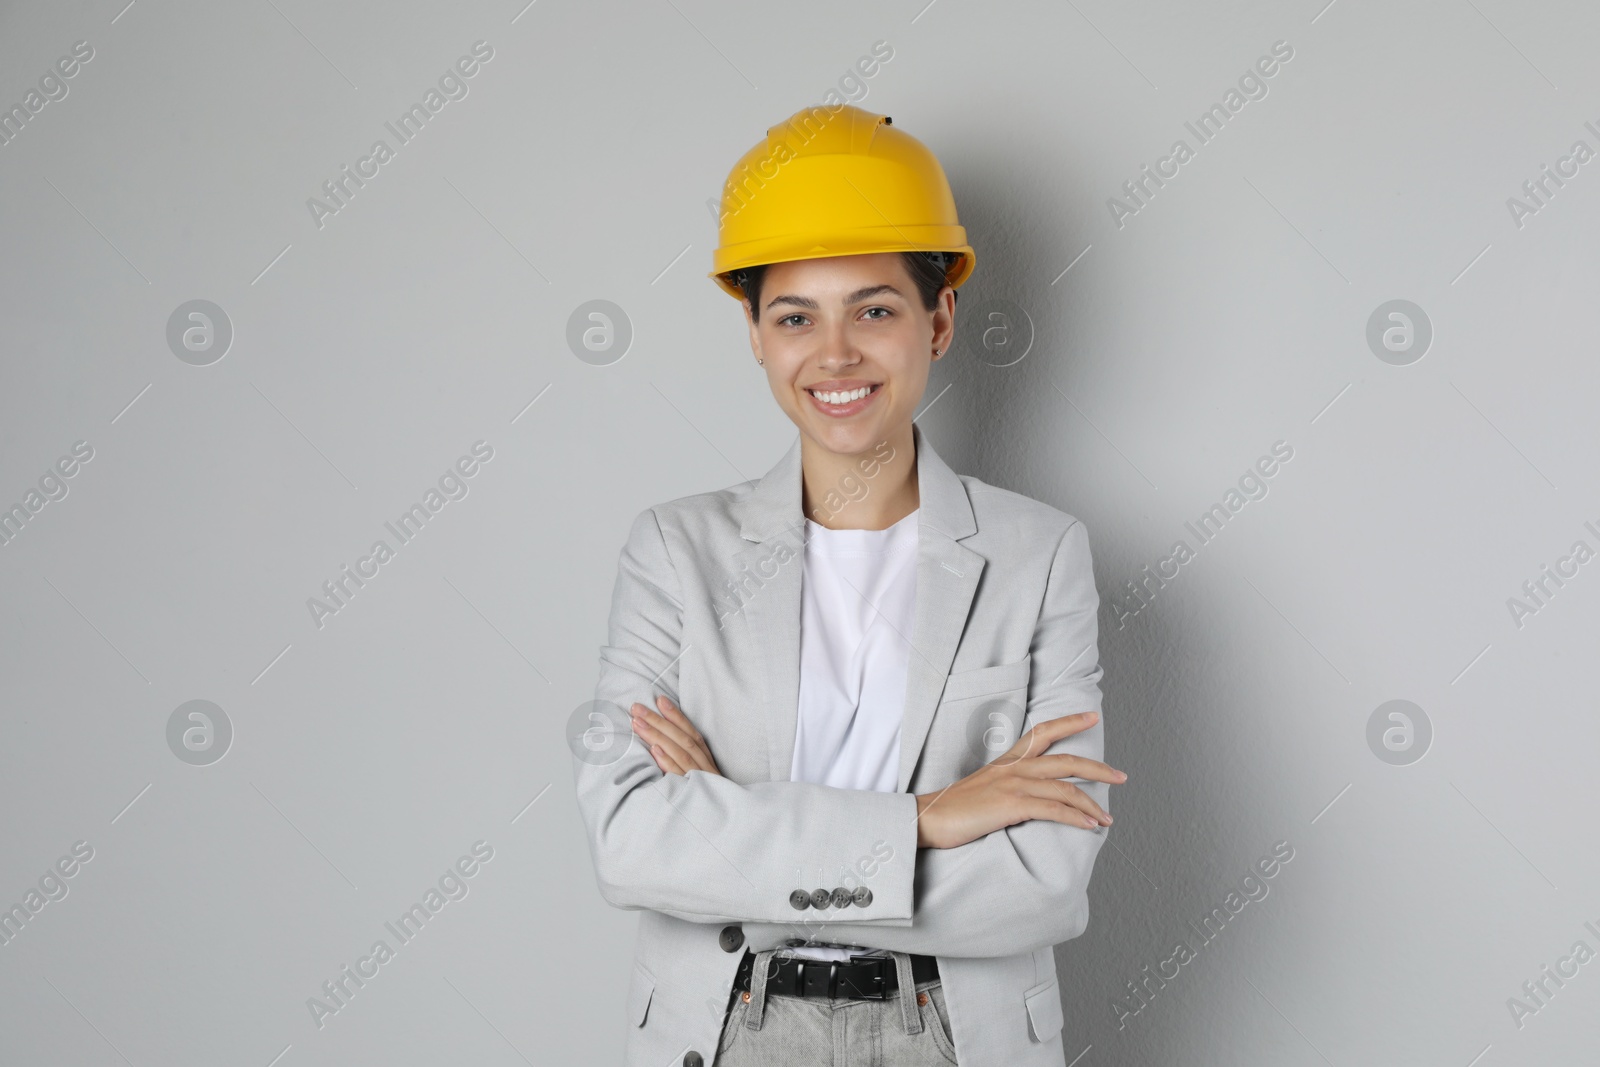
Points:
(755, 333)
(944, 321)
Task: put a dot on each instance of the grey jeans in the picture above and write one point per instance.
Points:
(763, 1030)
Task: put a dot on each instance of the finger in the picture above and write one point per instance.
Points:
(693, 751)
(666, 751)
(1055, 811)
(666, 762)
(1070, 795)
(693, 741)
(658, 739)
(656, 754)
(675, 715)
(668, 729)
(1036, 741)
(1066, 765)
(1053, 730)
(1040, 737)
(689, 755)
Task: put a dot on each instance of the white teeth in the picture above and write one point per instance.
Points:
(842, 398)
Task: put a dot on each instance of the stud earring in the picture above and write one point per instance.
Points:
(761, 361)
(935, 351)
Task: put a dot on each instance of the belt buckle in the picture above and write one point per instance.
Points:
(876, 981)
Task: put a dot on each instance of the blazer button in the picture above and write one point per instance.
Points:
(842, 897)
(862, 896)
(820, 898)
(693, 1059)
(731, 939)
(800, 900)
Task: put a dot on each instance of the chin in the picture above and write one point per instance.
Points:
(847, 440)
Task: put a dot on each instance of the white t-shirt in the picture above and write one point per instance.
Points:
(858, 594)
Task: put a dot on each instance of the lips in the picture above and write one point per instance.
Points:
(842, 399)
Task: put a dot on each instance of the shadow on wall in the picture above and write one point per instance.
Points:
(1178, 687)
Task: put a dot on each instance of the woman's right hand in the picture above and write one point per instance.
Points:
(1017, 786)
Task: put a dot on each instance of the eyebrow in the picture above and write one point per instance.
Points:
(859, 294)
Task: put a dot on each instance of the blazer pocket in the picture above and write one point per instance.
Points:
(640, 990)
(988, 681)
(1044, 1010)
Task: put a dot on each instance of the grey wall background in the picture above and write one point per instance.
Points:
(1162, 358)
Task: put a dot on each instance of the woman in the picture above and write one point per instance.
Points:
(860, 684)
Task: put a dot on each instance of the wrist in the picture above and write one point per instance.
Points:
(924, 837)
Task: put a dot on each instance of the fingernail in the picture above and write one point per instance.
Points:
(1122, 776)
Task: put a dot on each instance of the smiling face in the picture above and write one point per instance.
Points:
(847, 346)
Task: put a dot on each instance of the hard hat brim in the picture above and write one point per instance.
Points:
(859, 243)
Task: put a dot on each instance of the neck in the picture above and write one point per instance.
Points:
(870, 490)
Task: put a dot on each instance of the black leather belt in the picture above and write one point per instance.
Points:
(858, 978)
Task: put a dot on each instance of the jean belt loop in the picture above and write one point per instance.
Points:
(758, 988)
(907, 993)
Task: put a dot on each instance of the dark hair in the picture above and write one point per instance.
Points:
(927, 270)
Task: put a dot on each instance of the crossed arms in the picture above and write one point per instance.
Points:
(1007, 852)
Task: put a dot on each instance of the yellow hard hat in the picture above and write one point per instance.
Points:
(837, 181)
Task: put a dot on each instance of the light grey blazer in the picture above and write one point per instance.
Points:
(706, 609)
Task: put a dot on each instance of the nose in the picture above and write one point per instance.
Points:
(838, 351)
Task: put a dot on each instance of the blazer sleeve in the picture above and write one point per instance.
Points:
(1026, 886)
(700, 846)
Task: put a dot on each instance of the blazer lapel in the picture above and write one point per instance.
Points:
(947, 578)
(771, 517)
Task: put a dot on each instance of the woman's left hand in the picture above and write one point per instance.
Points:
(676, 745)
